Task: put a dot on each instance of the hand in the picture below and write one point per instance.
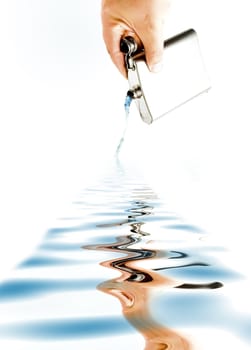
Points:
(142, 19)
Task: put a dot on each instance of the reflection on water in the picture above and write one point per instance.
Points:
(121, 240)
(133, 287)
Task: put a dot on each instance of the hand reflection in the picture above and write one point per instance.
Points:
(134, 297)
(133, 287)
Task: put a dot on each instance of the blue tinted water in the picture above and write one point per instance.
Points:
(127, 104)
(122, 271)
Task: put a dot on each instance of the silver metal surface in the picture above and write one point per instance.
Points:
(182, 78)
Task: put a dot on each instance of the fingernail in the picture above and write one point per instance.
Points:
(156, 68)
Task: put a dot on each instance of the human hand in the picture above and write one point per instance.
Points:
(142, 19)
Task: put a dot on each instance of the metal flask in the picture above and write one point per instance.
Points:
(182, 77)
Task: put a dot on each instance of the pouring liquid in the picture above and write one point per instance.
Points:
(127, 104)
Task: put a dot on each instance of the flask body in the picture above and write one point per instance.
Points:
(182, 77)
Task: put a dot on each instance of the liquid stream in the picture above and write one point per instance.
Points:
(127, 104)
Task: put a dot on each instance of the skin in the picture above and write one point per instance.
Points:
(142, 19)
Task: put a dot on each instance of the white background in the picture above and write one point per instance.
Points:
(61, 115)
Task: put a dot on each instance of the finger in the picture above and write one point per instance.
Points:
(118, 59)
(153, 42)
(112, 37)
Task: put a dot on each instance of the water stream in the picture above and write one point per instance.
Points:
(127, 104)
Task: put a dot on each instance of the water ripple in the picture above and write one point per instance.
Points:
(59, 246)
(26, 288)
(183, 308)
(82, 227)
(42, 261)
(68, 329)
(200, 271)
(185, 227)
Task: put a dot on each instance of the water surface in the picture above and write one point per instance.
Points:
(122, 271)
